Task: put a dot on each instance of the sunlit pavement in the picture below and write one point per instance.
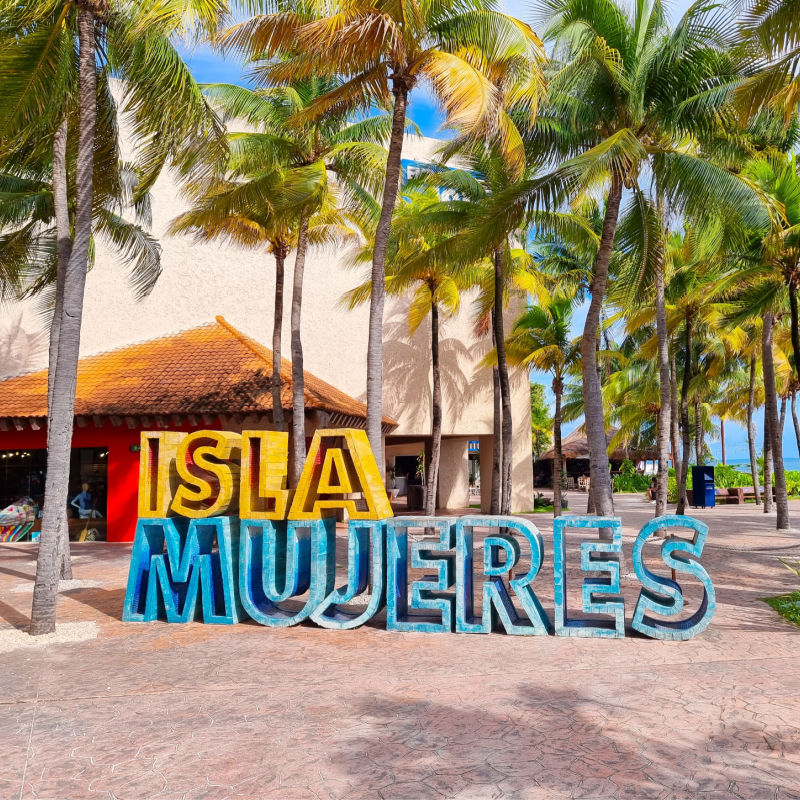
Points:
(195, 711)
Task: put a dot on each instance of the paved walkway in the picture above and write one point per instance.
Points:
(196, 711)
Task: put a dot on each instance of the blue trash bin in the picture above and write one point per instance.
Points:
(703, 494)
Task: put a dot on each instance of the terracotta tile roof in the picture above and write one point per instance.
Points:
(214, 369)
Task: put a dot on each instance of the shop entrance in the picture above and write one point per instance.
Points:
(22, 477)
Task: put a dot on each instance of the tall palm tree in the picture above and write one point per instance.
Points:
(276, 192)
(37, 211)
(37, 59)
(383, 50)
(281, 171)
(435, 289)
(767, 285)
(629, 94)
(541, 340)
(777, 176)
(482, 179)
(741, 394)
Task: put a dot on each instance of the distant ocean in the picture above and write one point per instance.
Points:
(788, 463)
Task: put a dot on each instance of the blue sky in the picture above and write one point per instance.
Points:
(209, 67)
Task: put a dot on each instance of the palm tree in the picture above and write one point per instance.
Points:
(278, 173)
(482, 180)
(541, 340)
(778, 178)
(221, 212)
(36, 212)
(276, 193)
(627, 96)
(767, 284)
(382, 51)
(698, 272)
(770, 41)
(435, 288)
(37, 58)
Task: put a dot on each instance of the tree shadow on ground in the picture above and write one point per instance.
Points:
(28, 576)
(106, 601)
(545, 741)
(16, 619)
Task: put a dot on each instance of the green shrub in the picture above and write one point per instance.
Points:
(793, 481)
(627, 467)
(631, 482)
(540, 502)
(726, 477)
(672, 487)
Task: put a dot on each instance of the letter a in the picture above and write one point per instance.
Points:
(340, 473)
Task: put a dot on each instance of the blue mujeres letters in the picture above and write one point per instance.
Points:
(429, 574)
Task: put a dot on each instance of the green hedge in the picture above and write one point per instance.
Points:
(726, 477)
(631, 483)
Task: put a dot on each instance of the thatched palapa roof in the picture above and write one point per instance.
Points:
(576, 446)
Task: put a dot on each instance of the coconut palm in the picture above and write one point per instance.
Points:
(770, 41)
(38, 62)
(435, 288)
(36, 242)
(628, 94)
(38, 211)
(742, 393)
(382, 51)
(276, 193)
(777, 176)
(766, 286)
(541, 340)
(481, 179)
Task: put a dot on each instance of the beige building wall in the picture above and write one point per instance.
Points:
(202, 280)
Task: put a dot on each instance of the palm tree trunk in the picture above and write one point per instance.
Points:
(558, 389)
(378, 294)
(751, 428)
(782, 420)
(769, 493)
(600, 479)
(45, 590)
(64, 248)
(675, 419)
(497, 443)
(277, 332)
(298, 382)
(686, 444)
(505, 386)
(699, 435)
(771, 413)
(664, 413)
(436, 417)
(795, 421)
(722, 437)
(795, 319)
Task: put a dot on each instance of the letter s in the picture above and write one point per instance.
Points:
(663, 595)
(200, 454)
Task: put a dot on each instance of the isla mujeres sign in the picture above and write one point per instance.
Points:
(220, 538)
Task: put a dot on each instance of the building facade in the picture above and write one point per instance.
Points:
(203, 280)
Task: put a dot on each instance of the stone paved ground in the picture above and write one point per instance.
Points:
(197, 711)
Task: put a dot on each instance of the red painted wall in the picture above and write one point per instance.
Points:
(123, 467)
